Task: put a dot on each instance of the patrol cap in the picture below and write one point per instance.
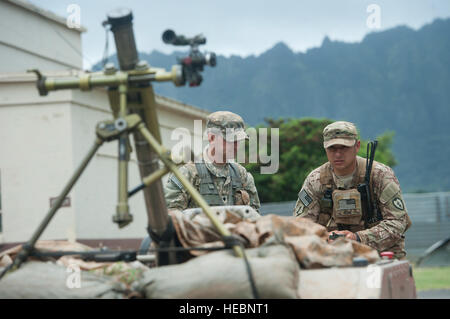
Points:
(228, 124)
(340, 133)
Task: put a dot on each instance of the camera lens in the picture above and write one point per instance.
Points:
(210, 59)
(169, 36)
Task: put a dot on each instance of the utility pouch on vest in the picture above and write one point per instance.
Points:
(209, 191)
(241, 197)
(207, 187)
(327, 200)
(347, 207)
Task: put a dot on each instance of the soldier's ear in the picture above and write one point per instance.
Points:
(211, 137)
(358, 146)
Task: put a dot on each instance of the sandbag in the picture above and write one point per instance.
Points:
(223, 275)
(40, 280)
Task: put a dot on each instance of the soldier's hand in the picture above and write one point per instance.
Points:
(348, 234)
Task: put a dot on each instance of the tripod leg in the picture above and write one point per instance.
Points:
(163, 154)
(123, 217)
(29, 246)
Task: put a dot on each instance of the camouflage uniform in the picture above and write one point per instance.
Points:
(231, 183)
(385, 235)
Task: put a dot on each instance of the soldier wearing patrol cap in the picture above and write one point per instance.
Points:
(329, 195)
(217, 178)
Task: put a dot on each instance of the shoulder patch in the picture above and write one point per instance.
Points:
(398, 203)
(176, 181)
(305, 198)
(389, 192)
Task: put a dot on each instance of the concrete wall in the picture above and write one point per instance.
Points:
(35, 160)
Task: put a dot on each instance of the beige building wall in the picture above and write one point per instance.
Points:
(31, 36)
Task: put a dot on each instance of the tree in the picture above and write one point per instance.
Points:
(383, 153)
(301, 151)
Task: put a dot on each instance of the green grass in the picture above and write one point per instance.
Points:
(432, 278)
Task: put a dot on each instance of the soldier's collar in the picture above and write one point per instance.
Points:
(217, 170)
(353, 176)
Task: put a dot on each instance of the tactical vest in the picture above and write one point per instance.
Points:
(327, 186)
(209, 190)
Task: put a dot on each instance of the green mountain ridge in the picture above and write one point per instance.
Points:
(394, 80)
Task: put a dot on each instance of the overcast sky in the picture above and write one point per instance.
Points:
(244, 27)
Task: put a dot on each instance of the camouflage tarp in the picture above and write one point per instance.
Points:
(307, 239)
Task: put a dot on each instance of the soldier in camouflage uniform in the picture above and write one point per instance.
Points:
(219, 180)
(329, 195)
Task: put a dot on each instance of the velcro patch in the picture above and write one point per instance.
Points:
(176, 181)
(305, 198)
(347, 204)
(389, 192)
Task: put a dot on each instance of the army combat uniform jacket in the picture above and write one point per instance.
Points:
(387, 234)
(229, 184)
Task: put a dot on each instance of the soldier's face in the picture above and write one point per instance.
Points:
(343, 158)
(223, 150)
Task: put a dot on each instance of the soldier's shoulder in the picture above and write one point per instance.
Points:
(246, 177)
(384, 179)
(314, 176)
(382, 171)
(242, 170)
(189, 169)
(312, 181)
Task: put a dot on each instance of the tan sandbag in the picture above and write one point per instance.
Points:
(40, 280)
(222, 275)
(226, 214)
